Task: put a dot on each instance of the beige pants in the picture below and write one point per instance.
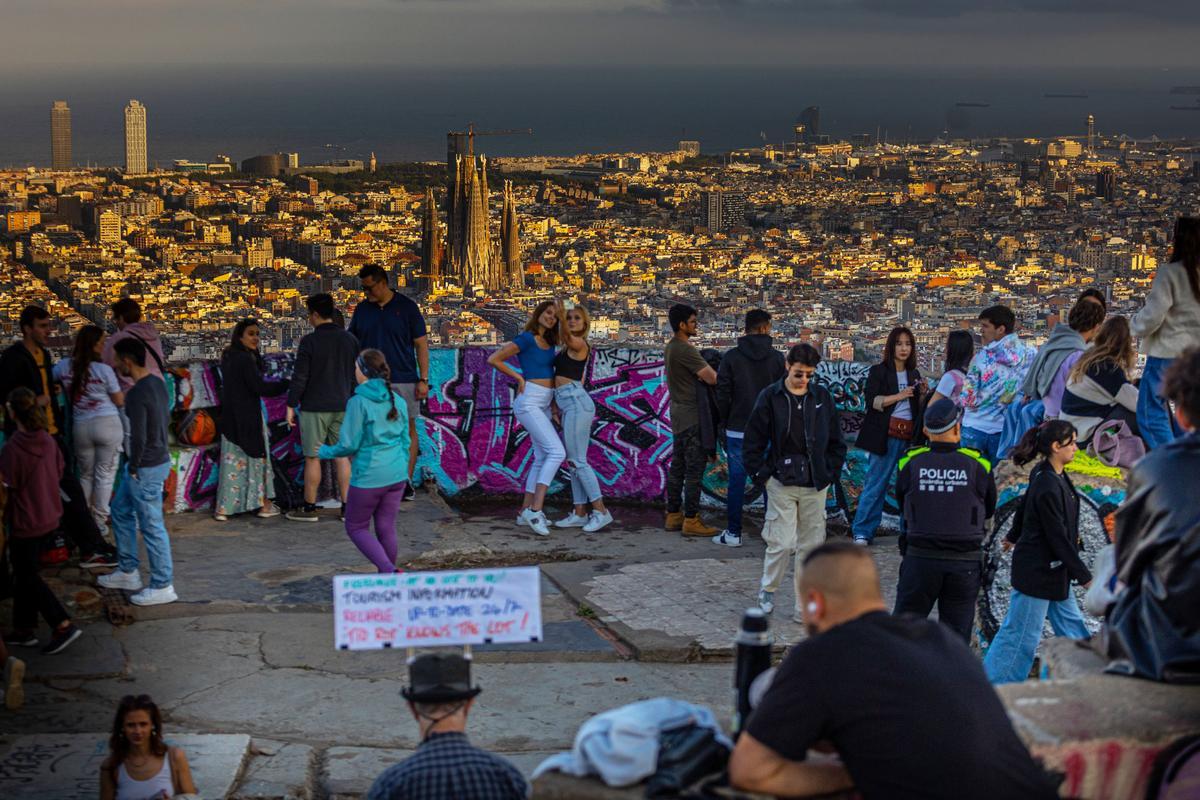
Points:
(794, 525)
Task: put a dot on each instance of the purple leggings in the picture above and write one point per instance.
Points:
(383, 504)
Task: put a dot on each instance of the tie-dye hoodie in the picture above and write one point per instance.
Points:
(994, 380)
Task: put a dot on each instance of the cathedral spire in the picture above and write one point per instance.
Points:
(431, 243)
(512, 274)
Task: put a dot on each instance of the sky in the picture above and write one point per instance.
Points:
(67, 35)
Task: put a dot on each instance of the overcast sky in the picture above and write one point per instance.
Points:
(47, 34)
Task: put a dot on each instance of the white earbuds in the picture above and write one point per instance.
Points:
(811, 608)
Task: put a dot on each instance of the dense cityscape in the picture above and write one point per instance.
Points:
(839, 239)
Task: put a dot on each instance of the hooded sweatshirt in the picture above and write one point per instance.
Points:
(31, 465)
(745, 371)
(149, 336)
(993, 381)
(376, 446)
(1064, 341)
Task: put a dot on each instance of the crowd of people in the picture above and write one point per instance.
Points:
(86, 446)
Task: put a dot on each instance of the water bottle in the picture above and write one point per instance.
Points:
(752, 657)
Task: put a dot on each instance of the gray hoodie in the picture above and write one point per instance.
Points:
(1058, 348)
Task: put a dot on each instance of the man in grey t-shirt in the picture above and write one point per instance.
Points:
(138, 502)
(683, 366)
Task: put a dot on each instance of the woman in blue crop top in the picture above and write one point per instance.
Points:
(534, 349)
(578, 411)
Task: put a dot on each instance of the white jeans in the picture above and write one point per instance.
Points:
(532, 410)
(794, 526)
(97, 443)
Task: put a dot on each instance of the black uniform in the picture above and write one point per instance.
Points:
(947, 493)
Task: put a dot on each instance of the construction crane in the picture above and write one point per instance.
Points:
(463, 142)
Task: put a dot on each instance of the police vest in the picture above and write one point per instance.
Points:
(945, 501)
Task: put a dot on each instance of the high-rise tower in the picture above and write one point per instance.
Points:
(60, 135)
(135, 139)
(1091, 142)
(810, 118)
(431, 243)
(510, 241)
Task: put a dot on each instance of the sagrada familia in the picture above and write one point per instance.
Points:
(467, 254)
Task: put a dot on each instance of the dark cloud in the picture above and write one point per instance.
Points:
(1163, 9)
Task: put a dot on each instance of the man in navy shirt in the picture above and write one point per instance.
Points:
(392, 323)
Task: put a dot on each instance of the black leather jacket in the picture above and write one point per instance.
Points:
(1154, 625)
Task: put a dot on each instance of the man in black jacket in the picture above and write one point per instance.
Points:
(322, 383)
(946, 494)
(1154, 625)
(745, 371)
(28, 363)
(794, 445)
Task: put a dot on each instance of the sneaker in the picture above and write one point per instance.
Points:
(130, 581)
(766, 601)
(61, 639)
(21, 639)
(572, 520)
(342, 513)
(728, 539)
(597, 520)
(267, 513)
(304, 513)
(14, 690)
(98, 561)
(410, 493)
(537, 521)
(154, 597)
(523, 516)
(862, 541)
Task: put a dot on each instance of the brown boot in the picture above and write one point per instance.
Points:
(674, 521)
(694, 526)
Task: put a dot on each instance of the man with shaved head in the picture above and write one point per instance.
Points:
(902, 701)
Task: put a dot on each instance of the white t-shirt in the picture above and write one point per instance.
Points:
(903, 409)
(950, 386)
(94, 401)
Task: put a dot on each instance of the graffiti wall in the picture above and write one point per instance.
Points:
(471, 443)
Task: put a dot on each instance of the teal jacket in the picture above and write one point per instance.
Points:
(376, 445)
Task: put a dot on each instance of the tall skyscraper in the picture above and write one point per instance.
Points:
(1106, 184)
(721, 210)
(810, 118)
(510, 241)
(60, 135)
(135, 139)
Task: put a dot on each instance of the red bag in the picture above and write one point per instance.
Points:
(196, 429)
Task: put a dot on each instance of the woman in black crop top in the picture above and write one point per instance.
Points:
(577, 411)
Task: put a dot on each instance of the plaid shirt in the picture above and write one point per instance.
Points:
(447, 767)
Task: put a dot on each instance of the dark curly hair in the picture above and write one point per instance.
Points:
(1182, 384)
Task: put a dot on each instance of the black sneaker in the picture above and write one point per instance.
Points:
(342, 513)
(409, 493)
(21, 639)
(304, 513)
(61, 640)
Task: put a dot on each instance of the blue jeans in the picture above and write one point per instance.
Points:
(139, 504)
(988, 444)
(881, 471)
(578, 411)
(1010, 656)
(1154, 419)
(736, 493)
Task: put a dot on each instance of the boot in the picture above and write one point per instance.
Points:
(674, 521)
(694, 526)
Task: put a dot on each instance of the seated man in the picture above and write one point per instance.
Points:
(901, 700)
(445, 765)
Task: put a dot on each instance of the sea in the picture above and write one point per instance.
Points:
(403, 114)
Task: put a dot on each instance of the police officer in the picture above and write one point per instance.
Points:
(948, 495)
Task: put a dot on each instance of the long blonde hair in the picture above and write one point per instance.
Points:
(1113, 342)
(587, 321)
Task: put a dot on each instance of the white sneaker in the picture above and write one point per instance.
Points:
(537, 521)
(728, 539)
(597, 520)
(572, 520)
(766, 601)
(862, 541)
(130, 581)
(523, 516)
(154, 597)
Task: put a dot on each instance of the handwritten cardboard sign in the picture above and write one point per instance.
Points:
(430, 609)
